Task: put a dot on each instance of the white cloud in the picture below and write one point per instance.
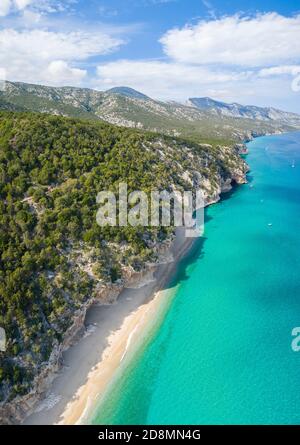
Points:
(31, 17)
(27, 55)
(21, 4)
(292, 70)
(210, 8)
(262, 40)
(60, 72)
(176, 81)
(2, 79)
(49, 45)
(163, 79)
(48, 6)
(5, 6)
(51, 6)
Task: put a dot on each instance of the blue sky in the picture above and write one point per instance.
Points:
(169, 49)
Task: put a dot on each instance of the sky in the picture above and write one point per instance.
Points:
(234, 51)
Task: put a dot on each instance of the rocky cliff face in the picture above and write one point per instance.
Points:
(15, 411)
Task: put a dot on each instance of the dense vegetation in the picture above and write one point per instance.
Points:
(50, 172)
(51, 169)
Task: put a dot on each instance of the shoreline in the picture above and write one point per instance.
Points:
(110, 330)
(91, 364)
(113, 333)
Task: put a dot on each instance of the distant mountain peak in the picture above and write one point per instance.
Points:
(237, 110)
(207, 102)
(128, 92)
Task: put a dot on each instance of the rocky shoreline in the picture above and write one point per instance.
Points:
(16, 411)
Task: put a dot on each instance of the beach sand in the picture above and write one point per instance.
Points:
(112, 333)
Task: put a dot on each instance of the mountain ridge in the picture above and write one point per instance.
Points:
(238, 110)
(128, 92)
(124, 106)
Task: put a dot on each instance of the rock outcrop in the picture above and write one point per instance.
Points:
(16, 411)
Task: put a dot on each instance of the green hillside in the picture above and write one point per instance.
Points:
(54, 256)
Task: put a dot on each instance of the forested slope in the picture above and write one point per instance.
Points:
(53, 255)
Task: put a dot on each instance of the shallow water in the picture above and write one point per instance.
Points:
(222, 354)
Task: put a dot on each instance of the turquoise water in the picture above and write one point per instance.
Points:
(222, 354)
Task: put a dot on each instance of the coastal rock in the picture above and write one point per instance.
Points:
(241, 149)
(15, 411)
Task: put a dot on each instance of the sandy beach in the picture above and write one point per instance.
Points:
(112, 333)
